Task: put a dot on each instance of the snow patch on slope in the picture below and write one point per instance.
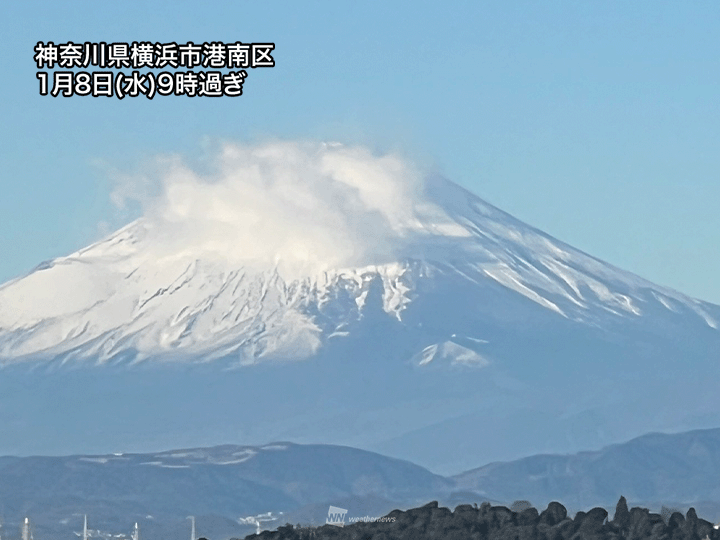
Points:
(451, 353)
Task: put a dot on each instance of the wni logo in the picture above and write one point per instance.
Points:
(336, 516)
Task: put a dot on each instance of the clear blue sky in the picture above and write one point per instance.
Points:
(598, 122)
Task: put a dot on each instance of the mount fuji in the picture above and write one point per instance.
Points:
(320, 293)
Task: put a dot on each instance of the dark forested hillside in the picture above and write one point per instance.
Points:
(487, 522)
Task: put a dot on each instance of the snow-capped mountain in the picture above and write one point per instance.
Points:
(120, 300)
(410, 314)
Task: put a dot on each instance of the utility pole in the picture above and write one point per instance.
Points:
(26, 530)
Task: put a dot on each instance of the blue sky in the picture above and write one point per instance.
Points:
(598, 122)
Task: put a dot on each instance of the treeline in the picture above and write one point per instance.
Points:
(487, 522)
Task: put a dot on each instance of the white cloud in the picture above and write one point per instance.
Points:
(302, 206)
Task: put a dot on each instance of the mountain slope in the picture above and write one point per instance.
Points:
(230, 489)
(219, 485)
(682, 468)
(366, 305)
(125, 298)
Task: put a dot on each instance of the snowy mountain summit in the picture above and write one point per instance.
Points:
(284, 248)
(379, 307)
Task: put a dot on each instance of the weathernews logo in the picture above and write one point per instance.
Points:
(336, 516)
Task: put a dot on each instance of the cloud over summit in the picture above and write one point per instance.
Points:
(304, 206)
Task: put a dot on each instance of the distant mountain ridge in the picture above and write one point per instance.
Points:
(218, 485)
(681, 469)
(230, 488)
